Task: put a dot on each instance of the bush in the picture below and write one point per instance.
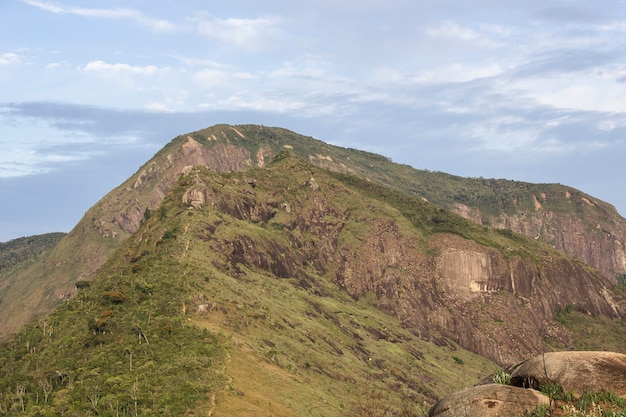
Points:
(80, 284)
(115, 297)
(501, 377)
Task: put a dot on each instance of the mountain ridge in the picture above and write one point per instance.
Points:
(230, 148)
(186, 316)
(300, 276)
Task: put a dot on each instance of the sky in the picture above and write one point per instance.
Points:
(90, 90)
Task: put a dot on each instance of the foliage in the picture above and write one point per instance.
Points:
(376, 404)
(591, 332)
(458, 360)
(22, 249)
(563, 313)
(588, 404)
(542, 410)
(501, 377)
(111, 352)
(134, 343)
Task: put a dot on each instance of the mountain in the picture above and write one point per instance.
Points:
(293, 290)
(281, 287)
(224, 302)
(565, 218)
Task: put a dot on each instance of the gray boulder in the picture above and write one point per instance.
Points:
(489, 400)
(575, 372)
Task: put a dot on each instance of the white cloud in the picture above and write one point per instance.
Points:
(9, 58)
(248, 34)
(156, 106)
(214, 77)
(452, 31)
(580, 91)
(170, 103)
(101, 66)
(612, 122)
(158, 25)
(457, 73)
(20, 162)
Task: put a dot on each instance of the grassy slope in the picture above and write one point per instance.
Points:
(596, 333)
(84, 248)
(268, 348)
(131, 343)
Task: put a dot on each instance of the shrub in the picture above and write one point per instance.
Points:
(116, 297)
(82, 283)
(501, 377)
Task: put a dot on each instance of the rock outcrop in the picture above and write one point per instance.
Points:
(570, 221)
(575, 372)
(570, 372)
(490, 400)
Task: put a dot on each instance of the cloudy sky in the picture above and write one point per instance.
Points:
(529, 90)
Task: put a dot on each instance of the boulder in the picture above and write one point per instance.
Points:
(489, 400)
(575, 372)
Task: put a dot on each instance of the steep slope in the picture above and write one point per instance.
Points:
(567, 219)
(439, 274)
(225, 304)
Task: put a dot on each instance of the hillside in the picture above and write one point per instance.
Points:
(565, 218)
(292, 290)
(225, 302)
(16, 252)
(16, 257)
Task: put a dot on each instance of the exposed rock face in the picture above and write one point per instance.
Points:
(575, 372)
(597, 236)
(442, 288)
(489, 304)
(489, 400)
(152, 183)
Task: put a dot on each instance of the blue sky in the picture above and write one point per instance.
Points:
(90, 90)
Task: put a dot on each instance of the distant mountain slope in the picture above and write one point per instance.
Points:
(18, 251)
(17, 256)
(566, 218)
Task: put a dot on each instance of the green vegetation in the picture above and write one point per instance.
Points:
(115, 349)
(491, 196)
(593, 332)
(501, 377)
(430, 219)
(23, 250)
(587, 404)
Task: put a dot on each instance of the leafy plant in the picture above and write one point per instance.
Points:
(501, 377)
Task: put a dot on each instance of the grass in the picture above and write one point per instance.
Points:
(591, 332)
(587, 404)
